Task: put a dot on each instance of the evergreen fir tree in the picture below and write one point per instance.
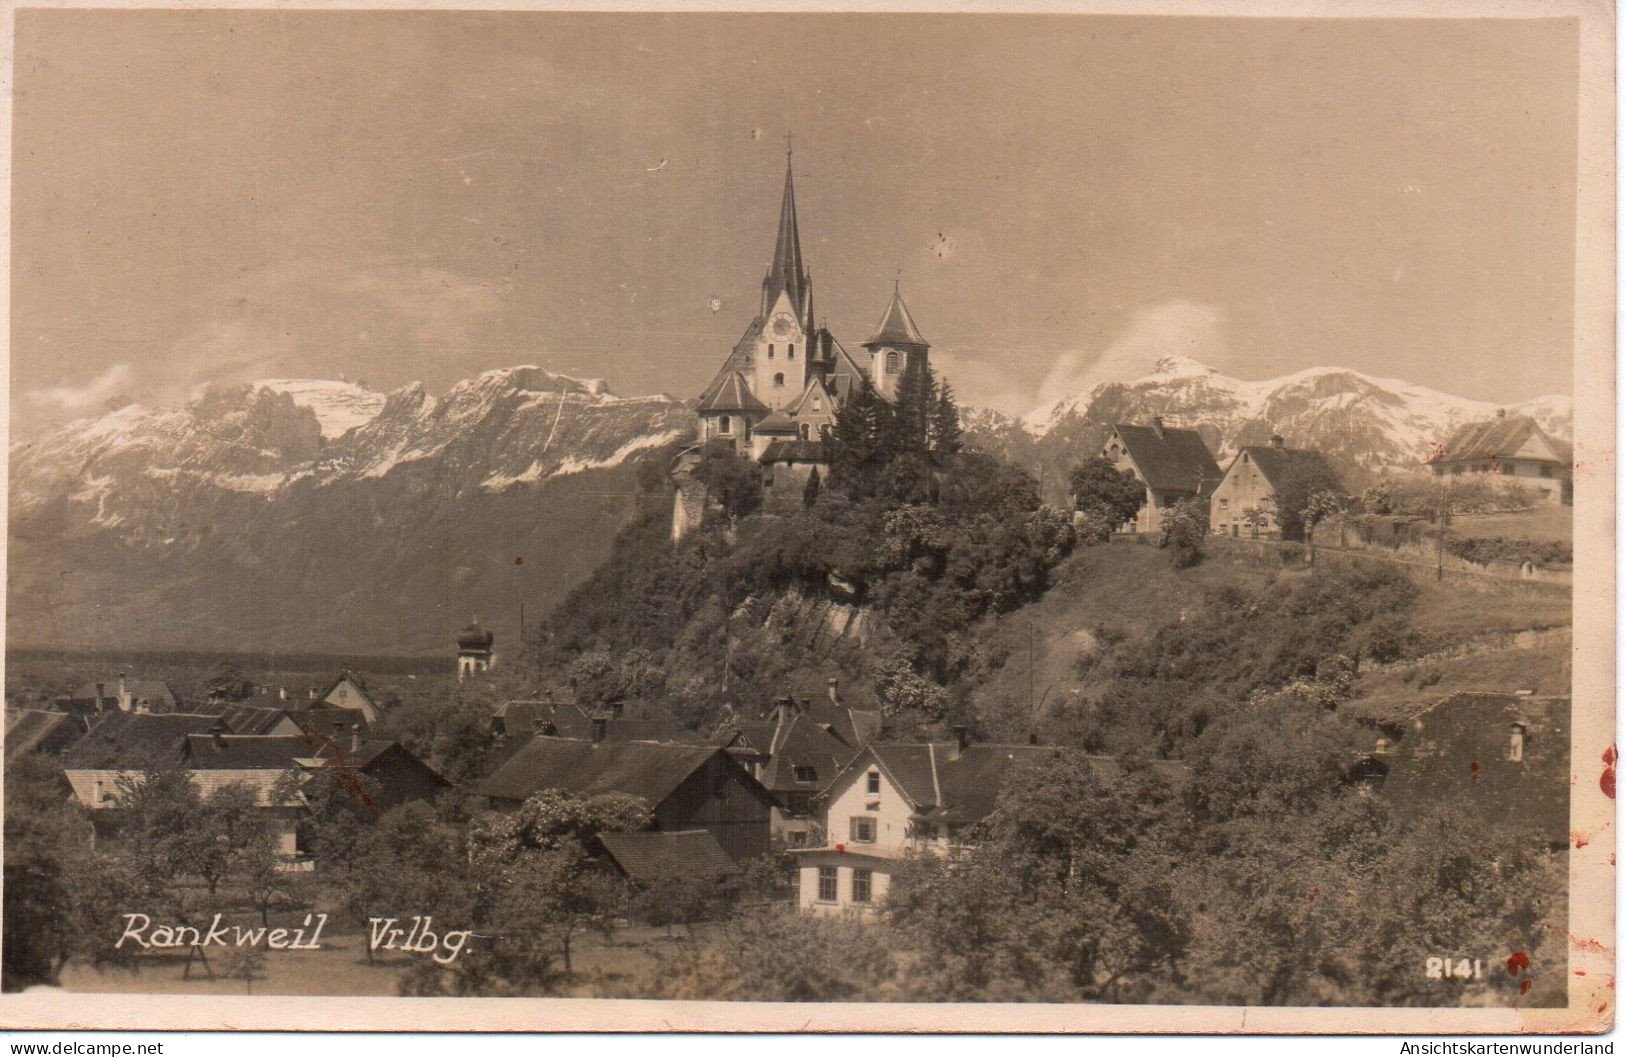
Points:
(856, 443)
(945, 433)
(809, 495)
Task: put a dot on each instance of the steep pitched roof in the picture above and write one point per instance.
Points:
(897, 326)
(131, 740)
(787, 274)
(964, 786)
(1499, 437)
(1274, 462)
(355, 681)
(690, 854)
(1169, 459)
(777, 422)
(649, 770)
(730, 392)
(815, 388)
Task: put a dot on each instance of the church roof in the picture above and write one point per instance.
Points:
(777, 422)
(815, 387)
(787, 274)
(897, 326)
(730, 393)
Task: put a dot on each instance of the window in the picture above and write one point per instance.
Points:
(792, 354)
(1545, 471)
(806, 431)
(1224, 504)
(726, 425)
(1515, 751)
(1506, 469)
(778, 381)
(827, 892)
(861, 885)
(818, 405)
(770, 352)
(891, 361)
(805, 773)
(798, 838)
(863, 830)
(799, 804)
(874, 783)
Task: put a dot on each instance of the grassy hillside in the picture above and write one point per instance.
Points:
(1458, 634)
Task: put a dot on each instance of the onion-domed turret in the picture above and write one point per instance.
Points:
(474, 653)
(475, 637)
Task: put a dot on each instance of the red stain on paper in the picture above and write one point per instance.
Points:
(1527, 984)
(1579, 839)
(1606, 782)
(1517, 963)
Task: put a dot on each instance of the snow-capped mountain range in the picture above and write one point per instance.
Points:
(317, 515)
(298, 514)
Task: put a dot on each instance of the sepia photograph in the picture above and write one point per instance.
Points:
(721, 518)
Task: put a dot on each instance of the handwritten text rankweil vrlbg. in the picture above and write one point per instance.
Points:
(390, 934)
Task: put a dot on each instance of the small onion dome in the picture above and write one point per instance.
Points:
(475, 637)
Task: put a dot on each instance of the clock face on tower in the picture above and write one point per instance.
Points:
(781, 327)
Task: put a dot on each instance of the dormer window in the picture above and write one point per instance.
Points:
(1515, 749)
(805, 773)
(874, 783)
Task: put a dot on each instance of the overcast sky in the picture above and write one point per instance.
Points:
(390, 197)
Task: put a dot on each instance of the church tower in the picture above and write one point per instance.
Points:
(896, 344)
(779, 359)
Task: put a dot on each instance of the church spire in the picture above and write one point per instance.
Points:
(787, 274)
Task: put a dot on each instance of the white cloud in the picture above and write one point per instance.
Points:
(1172, 328)
(111, 382)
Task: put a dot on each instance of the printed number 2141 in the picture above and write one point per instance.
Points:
(1455, 968)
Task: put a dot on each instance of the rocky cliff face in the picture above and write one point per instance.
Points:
(316, 515)
(1363, 424)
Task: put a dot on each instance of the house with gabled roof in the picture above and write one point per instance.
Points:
(796, 751)
(348, 691)
(686, 786)
(1511, 449)
(1173, 464)
(31, 731)
(120, 693)
(896, 801)
(1243, 504)
(652, 856)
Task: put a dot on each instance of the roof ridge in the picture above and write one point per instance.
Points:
(936, 781)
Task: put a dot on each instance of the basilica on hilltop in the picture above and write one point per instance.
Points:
(777, 394)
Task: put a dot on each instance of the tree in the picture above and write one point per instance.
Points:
(809, 494)
(856, 443)
(1305, 475)
(1184, 527)
(1100, 490)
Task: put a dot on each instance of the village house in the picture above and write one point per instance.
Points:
(796, 752)
(348, 691)
(1173, 464)
(1243, 504)
(121, 748)
(1512, 449)
(515, 722)
(894, 802)
(687, 787)
(120, 694)
(1503, 757)
(777, 394)
(31, 732)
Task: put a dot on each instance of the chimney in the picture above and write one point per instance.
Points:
(101, 696)
(218, 733)
(600, 727)
(312, 693)
(123, 694)
(1277, 441)
(355, 737)
(1156, 424)
(961, 739)
(834, 691)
